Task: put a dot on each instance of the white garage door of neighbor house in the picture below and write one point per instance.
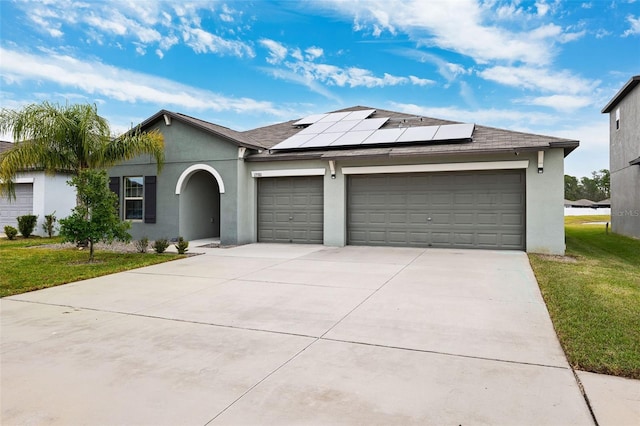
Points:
(290, 209)
(450, 210)
(21, 205)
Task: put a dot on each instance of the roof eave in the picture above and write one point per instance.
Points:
(569, 146)
(628, 87)
(160, 114)
(336, 155)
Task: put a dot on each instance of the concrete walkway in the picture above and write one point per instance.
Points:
(290, 334)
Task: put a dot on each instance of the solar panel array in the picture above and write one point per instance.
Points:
(335, 116)
(340, 129)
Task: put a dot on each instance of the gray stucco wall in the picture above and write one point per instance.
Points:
(544, 195)
(625, 178)
(545, 203)
(186, 146)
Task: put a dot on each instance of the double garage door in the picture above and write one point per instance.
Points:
(21, 205)
(453, 210)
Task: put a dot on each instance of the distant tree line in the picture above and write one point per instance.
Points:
(595, 188)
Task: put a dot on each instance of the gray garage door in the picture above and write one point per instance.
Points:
(23, 204)
(457, 209)
(290, 209)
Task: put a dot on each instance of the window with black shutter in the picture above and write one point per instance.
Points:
(149, 199)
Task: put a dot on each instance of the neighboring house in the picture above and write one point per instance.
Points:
(582, 203)
(586, 207)
(36, 193)
(356, 176)
(624, 158)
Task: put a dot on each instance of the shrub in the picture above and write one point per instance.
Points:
(160, 245)
(11, 232)
(26, 224)
(181, 245)
(95, 217)
(142, 244)
(49, 224)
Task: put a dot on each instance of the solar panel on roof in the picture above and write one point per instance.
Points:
(359, 115)
(342, 126)
(316, 128)
(384, 136)
(310, 119)
(334, 116)
(454, 132)
(294, 141)
(371, 124)
(323, 139)
(352, 128)
(352, 138)
(418, 134)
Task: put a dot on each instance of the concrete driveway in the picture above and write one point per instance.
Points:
(290, 334)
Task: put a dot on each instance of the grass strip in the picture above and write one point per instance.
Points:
(593, 297)
(26, 267)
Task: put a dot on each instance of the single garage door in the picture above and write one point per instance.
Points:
(453, 209)
(290, 209)
(21, 205)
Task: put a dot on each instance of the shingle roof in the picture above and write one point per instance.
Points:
(231, 135)
(582, 203)
(5, 146)
(485, 140)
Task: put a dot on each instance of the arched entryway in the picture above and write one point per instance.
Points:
(199, 188)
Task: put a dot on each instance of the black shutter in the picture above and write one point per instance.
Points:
(149, 199)
(114, 186)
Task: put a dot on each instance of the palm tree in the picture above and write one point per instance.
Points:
(68, 138)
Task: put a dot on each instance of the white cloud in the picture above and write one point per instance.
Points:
(461, 26)
(146, 24)
(542, 8)
(98, 79)
(314, 52)
(303, 69)
(202, 41)
(561, 82)
(503, 118)
(420, 81)
(566, 103)
(450, 71)
(277, 51)
(634, 28)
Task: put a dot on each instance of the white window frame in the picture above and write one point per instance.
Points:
(127, 198)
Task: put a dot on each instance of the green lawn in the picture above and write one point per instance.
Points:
(24, 267)
(593, 296)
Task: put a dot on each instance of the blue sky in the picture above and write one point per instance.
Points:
(542, 66)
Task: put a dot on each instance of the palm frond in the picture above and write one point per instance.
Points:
(135, 143)
(68, 138)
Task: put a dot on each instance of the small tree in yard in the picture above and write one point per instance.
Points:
(95, 218)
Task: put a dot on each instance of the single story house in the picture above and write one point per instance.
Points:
(586, 207)
(36, 193)
(360, 176)
(624, 158)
